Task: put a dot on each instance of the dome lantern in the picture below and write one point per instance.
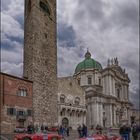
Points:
(87, 55)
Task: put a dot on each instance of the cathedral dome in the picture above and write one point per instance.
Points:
(88, 63)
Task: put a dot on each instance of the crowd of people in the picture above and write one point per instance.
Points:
(126, 131)
(35, 129)
(82, 131)
(63, 131)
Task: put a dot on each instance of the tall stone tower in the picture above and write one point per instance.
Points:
(40, 58)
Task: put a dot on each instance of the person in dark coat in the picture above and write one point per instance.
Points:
(42, 128)
(30, 129)
(135, 132)
(79, 129)
(128, 131)
(67, 131)
(123, 132)
(84, 130)
(99, 129)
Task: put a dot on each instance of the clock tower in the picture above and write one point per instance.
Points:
(40, 58)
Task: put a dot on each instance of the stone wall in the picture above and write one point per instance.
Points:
(40, 59)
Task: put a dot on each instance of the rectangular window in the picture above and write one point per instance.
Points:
(100, 82)
(29, 112)
(89, 81)
(11, 111)
(22, 92)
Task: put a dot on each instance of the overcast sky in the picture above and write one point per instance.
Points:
(108, 28)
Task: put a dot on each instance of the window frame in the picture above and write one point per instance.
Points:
(89, 80)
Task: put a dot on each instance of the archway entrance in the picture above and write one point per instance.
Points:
(65, 122)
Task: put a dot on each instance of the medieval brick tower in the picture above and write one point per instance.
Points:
(40, 58)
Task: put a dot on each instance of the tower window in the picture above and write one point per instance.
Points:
(89, 81)
(29, 5)
(45, 7)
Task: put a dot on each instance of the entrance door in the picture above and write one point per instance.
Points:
(65, 122)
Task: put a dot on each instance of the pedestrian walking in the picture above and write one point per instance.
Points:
(30, 128)
(135, 132)
(84, 130)
(67, 131)
(128, 131)
(37, 129)
(99, 129)
(123, 132)
(42, 128)
(79, 129)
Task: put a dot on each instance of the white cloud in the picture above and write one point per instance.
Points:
(107, 28)
(12, 68)
(10, 27)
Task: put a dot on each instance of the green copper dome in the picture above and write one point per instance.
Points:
(88, 63)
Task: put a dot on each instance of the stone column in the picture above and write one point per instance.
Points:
(93, 114)
(111, 115)
(91, 118)
(125, 92)
(114, 87)
(107, 85)
(101, 112)
(88, 116)
(107, 115)
(103, 85)
(110, 85)
(115, 115)
(97, 111)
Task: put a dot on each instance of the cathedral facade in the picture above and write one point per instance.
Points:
(103, 92)
(106, 91)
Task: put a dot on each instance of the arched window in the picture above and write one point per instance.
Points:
(45, 7)
(77, 100)
(62, 98)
